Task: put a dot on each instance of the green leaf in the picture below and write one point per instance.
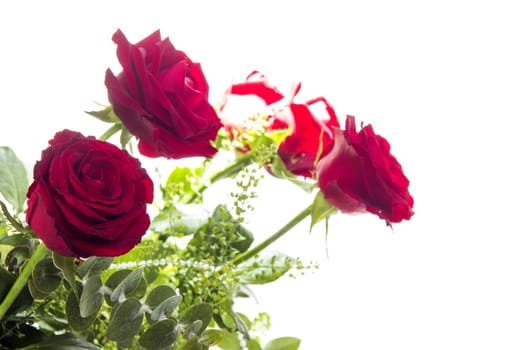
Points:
(230, 341)
(62, 342)
(211, 337)
(125, 321)
(200, 312)
(67, 266)
(46, 276)
(166, 308)
(182, 184)
(94, 266)
(264, 268)
(74, 318)
(15, 240)
(284, 343)
(253, 344)
(128, 284)
(13, 179)
(91, 297)
(182, 220)
(116, 278)
(321, 209)
(125, 137)
(162, 334)
(106, 115)
(278, 169)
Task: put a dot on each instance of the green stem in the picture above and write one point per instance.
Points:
(110, 132)
(40, 252)
(261, 246)
(229, 171)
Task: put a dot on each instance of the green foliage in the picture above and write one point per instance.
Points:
(265, 268)
(175, 290)
(13, 179)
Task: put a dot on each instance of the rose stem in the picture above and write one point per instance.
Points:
(40, 252)
(261, 246)
(230, 170)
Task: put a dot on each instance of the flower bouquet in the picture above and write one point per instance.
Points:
(95, 255)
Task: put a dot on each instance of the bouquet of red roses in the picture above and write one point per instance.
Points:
(88, 262)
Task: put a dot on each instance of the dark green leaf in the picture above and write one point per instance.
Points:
(94, 266)
(24, 299)
(46, 277)
(91, 297)
(125, 321)
(62, 342)
(74, 318)
(128, 284)
(13, 178)
(265, 268)
(284, 343)
(202, 312)
(162, 334)
(166, 308)
(67, 266)
(15, 240)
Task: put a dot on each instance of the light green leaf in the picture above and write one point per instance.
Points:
(264, 268)
(13, 179)
(279, 170)
(321, 209)
(211, 337)
(284, 343)
(106, 115)
(182, 220)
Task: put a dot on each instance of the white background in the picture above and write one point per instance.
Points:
(443, 81)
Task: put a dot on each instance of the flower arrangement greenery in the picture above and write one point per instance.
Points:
(88, 261)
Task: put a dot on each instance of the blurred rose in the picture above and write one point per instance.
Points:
(88, 197)
(359, 174)
(161, 97)
(311, 134)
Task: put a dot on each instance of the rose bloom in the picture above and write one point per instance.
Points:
(161, 97)
(359, 174)
(88, 197)
(311, 134)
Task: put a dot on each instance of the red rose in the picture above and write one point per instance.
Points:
(311, 133)
(359, 174)
(88, 197)
(161, 97)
